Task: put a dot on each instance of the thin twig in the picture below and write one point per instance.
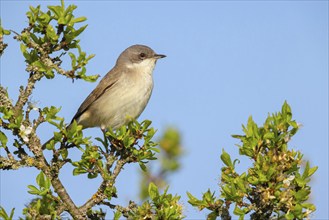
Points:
(99, 196)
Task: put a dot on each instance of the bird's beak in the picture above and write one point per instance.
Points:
(159, 56)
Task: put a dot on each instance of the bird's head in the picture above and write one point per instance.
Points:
(139, 57)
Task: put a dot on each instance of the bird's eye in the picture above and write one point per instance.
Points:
(142, 56)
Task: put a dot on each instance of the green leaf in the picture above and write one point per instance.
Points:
(226, 158)
(6, 32)
(227, 190)
(50, 145)
(40, 179)
(269, 135)
(3, 139)
(23, 48)
(238, 211)
(208, 197)
(57, 10)
(49, 74)
(253, 180)
(12, 213)
(25, 53)
(241, 184)
(146, 124)
(40, 66)
(91, 78)
(250, 127)
(262, 177)
(92, 175)
(78, 171)
(289, 216)
(50, 33)
(306, 170)
(212, 216)
(117, 215)
(61, 20)
(47, 183)
(7, 114)
(312, 171)
(70, 9)
(302, 194)
(33, 190)
(44, 18)
(309, 206)
(153, 191)
(73, 59)
(79, 19)
(300, 181)
(3, 31)
(128, 141)
(286, 111)
(4, 215)
(142, 166)
(68, 19)
(192, 200)
(90, 57)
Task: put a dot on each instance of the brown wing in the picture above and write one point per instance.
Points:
(106, 83)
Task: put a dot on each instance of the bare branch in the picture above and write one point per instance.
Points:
(11, 163)
(99, 196)
(4, 100)
(25, 93)
(62, 193)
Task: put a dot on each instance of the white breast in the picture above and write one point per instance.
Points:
(127, 99)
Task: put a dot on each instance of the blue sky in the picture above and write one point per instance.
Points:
(226, 60)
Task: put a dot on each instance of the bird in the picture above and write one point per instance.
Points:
(123, 93)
